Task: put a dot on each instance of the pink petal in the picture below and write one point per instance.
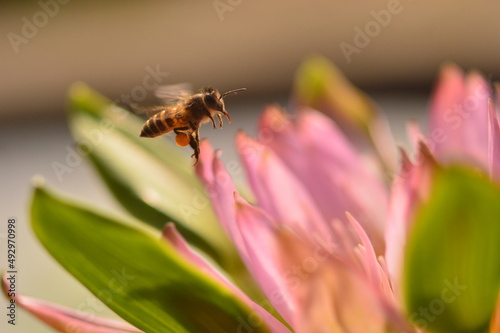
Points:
(475, 127)
(493, 143)
(363, 188)
(410, 188)
(374, 271)
(220, 188)
(496, 87)
(459, 117)
(319, 133)
(174, 238)
(260, 239)
(337, 299)
(415, 135)
(67, 320)
(278, 132)
(334, 173)
(281, 135)
(444, 120)
(276, 188)
(222, 192)
(383, 142)
(171, 235)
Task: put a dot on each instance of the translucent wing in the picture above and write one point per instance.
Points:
(173, 93)
(148, 110)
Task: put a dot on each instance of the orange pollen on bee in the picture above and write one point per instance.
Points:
(182, 139)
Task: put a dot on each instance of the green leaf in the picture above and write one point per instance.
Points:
(452, 265)
(149, 177)
(136, 274)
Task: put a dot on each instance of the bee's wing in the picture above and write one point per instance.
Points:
(173, 93)
(148, 110)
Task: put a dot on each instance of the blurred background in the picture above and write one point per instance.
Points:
(391, 48)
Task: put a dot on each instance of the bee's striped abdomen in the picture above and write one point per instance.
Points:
(159, 124)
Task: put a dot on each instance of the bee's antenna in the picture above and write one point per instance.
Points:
(231, 92)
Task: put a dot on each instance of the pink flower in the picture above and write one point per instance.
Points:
(324, 236)
(318, 267)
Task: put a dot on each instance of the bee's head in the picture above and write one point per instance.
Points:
(215, 101)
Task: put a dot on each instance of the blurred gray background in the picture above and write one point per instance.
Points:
(392, 49)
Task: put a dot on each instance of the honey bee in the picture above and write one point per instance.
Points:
(187, 114)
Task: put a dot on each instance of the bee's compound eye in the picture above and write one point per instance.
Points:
(210, 100)
(182, 139)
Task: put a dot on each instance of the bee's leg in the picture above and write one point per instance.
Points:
(180, 130)
(193, 126)
(194, 142)
(209, 115)
(220, 120)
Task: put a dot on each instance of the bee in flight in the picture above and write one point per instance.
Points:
(186, 114)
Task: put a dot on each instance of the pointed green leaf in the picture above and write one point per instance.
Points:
(149, 177)
(136, 274)
(452, 265)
